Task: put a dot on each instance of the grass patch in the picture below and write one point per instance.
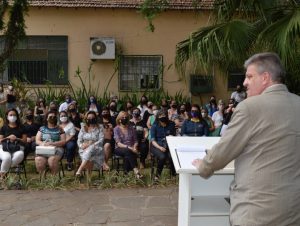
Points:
(107, 180)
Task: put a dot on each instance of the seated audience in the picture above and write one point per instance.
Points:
(209, 121)
(126, 143)
(159, 147)
(13, 139)
(90, 143)
(31, 129)
(196, 126)
(70, 132)
(50, 135)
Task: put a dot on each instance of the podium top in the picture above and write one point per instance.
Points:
(183, 159)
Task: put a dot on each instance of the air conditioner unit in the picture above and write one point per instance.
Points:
(102, 48)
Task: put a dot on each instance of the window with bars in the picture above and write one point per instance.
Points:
(234, 79)
(39, 59)
(140, 72)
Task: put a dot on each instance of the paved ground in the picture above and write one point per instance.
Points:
(114, 207)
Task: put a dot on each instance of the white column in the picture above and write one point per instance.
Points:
(184, 199)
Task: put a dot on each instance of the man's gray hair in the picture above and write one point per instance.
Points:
(268, 62)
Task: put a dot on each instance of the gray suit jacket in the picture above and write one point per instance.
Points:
(264, 139)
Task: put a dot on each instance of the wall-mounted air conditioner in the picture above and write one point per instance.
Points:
(102, 48)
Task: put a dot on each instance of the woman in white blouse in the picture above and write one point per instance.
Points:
(70, 132)
(217, 118)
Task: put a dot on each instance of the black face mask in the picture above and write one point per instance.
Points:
(136, 115)
(105, 116)
(181, 111)
(92, 121)
(174, 106)
(72, 110)
(143, 102)
(29, 117)
(53, 109)
(124, 121)
(112, 108)
(163, 119)
(52, 120)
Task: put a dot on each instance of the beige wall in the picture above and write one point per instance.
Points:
(129, 29)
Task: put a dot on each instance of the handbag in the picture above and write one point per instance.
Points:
(45, 150)
(10, 147)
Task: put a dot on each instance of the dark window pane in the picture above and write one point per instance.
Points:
(140, 72)
(234, 79)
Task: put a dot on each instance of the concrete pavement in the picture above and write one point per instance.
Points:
(112, 207)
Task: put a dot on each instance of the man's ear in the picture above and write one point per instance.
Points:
(266, 78)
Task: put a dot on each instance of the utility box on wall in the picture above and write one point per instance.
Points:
(201, 84)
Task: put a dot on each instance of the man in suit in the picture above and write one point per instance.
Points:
(263, 138)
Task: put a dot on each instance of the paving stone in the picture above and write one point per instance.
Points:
(159, 211)
(120, 215)
(129, 202)
(159, 202)
(94, 217)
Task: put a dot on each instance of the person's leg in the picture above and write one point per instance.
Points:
(17, 158)
(121, 152)
(53, 162)
(70, 149)
(6, 162)
(85, 158)
(107, 153)
(161, 159)
(172, 167)
(144, 149)
(40, 163)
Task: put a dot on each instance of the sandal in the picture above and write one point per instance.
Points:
(105, 167)
(139, 176)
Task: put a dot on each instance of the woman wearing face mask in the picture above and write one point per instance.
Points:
(74, 117)
(40, 110)
(173, 111)
(162, 128)
(64, 105)
(50, 135)
(53, 107)
(218, 117)
(31, 129)
(93, 105)
(151, 120)
(126, 143)
(209, 121)
(196, 126)
(143, 105)
(12, 131)
(90, 143)
(70, 132)
(212, 106)
(108, 144)
(141, 133)
(10, 98)
(113, 110)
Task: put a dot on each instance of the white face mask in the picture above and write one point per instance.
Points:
(12, 118)
(63, 119)
(203, 115)
(155, 112)
(10, 87)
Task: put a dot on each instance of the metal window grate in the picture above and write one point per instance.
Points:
(38, 59)
(140, 72)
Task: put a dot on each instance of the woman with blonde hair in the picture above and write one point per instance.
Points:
(126, 143)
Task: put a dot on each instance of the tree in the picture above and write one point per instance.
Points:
(13, 29)
(242, 28)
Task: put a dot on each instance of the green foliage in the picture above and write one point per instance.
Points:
(150, 9)
(242, 28)
(14, 28)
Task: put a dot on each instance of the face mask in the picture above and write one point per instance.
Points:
(136, 114)
(124, 121)
(112, 107)
(10, 88)
(92, 100)
(155, 112)
(68, 100)
(72, 110)
(163, 119)
(52, 120)
(92, 121)
(203, 115)
(53, 109)
(12, 118)
(63, 119)
(105, 115)
(143, 101)
(239, 90)
(29, 117)
(174, 106)
(182, 111)
(195, 114)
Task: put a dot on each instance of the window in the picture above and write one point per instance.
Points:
(39, 59)
(140, 72)
(234, 79)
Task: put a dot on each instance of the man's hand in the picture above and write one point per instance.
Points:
(197, 163)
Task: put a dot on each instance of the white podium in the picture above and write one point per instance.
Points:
(201, 202)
